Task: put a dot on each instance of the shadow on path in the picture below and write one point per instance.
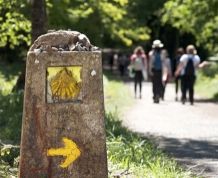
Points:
(197, 155)
(215, 101)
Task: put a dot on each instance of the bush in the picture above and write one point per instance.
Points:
(9, 153)
(9, 160)
(11, 116)
(207, 82)
(210, 71)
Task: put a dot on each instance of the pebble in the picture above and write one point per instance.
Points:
(54, 48)
(82, 44)
(37, 51)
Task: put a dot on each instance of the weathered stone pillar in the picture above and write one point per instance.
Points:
(63, 133)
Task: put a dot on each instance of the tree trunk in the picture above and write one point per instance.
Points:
(39, 27)
(39, 18)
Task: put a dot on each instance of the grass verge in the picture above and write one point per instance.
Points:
(207, 82)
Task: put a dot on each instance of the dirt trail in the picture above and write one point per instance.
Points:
(189, 133)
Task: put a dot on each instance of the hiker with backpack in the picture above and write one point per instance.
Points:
(139, 65)
(156, 69)
(187, 68)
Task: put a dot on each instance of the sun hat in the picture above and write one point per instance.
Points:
(157, 44)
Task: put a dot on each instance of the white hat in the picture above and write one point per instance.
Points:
(157, 44)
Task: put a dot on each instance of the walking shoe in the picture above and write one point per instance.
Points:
(183, 101)
(156, 100)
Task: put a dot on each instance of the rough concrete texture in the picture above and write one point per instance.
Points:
(45, 124)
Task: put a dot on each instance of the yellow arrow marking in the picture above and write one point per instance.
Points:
(70, 151)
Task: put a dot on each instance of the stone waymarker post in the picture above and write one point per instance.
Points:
(63, 133)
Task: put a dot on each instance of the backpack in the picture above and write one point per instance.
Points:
(157, 64)
(190, 69)
(138, 63)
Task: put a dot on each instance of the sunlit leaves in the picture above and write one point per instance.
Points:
(121, 2)
(15, 27)
(112, 11)
(100, 20)
(119, 22)
(83, 11)
(139, 34)
(196, 17)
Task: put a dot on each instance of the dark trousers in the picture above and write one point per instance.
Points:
(138, 80)
(157, 84)
(163, 89)
(187, 83)
(122, 70)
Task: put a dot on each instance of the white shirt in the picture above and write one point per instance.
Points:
(184, 59)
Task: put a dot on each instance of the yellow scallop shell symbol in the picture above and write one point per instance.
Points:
(64, 85)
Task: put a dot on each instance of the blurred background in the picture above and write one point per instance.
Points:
(117, 27)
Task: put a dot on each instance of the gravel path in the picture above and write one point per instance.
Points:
(189, 133)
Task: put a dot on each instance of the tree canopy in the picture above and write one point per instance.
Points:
(14, 25)
(100, 20)
(199, 18)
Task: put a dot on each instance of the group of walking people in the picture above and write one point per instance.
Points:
(157, 66)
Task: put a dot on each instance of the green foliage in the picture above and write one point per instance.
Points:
(197, 17)
(207, 82)
(9, 153)
(11, 116)
(102, 21)
(146, 11)
(15, 27)
(116, 96)
(210, 71)
(10, 103)
(9, 160)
